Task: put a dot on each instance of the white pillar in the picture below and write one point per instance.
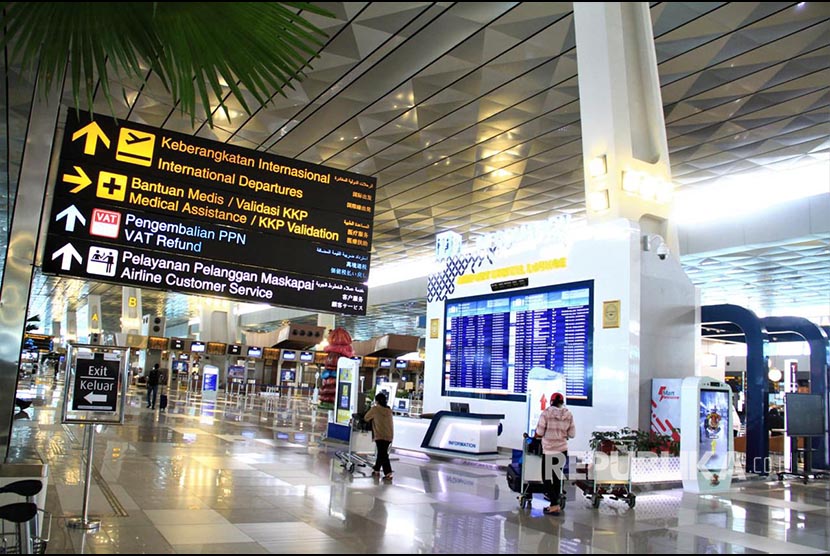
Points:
(94, 314)
(70, 323)
(327, 320)
(131, 310)
(628, 175)
(217, 321)
(622, 117)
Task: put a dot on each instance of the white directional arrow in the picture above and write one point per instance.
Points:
(68, 252)
(92, 398)
(71, 213)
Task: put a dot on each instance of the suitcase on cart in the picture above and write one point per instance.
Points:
(527, 477)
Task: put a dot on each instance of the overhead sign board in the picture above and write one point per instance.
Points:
(96, 382)
(152, 208)
(183, 273)
(173, 234)
(136, 190)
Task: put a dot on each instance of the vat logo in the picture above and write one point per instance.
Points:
(105, 223)
(666, 394)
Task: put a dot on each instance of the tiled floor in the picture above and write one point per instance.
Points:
(228, 477)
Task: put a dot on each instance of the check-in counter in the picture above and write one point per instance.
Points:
(449, 433)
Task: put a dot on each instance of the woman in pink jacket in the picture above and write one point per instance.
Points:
(555, 427)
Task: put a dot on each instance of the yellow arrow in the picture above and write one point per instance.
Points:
(81, 180)
(93, 133)
(94, 317)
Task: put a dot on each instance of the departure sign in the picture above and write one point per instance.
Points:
(128, 192)
(96, 382)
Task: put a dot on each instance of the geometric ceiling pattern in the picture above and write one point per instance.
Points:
(468, 116)
(766, 277)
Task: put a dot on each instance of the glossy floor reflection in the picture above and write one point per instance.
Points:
(241, 476)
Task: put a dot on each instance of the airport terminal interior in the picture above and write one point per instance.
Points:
(470, 207)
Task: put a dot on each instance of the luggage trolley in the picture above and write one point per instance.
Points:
(361, 445)
(528, 479)
(608, 475)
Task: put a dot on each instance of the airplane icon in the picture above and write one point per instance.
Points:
(135, 147)
(133, 138)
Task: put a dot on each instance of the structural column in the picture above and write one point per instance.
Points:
(625, 153)
(130, 310)
(217, 322)
(24, 230)
(628, 176)
(327, 320)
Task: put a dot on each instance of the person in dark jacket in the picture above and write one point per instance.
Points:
(152, 386)
(380, 415)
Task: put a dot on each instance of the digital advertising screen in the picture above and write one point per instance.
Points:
(254, 351)
(216, 348)
(493, 341)
(289, 355)
(307, 356)
(385, 363)
(197, 347)
(714, 427)
(154, 342)
(343, 397)
(234, 349)
(176, 343)
(400, 364)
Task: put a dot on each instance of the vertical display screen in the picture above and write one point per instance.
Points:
(344, 396)
(493, 341)
(713, 414)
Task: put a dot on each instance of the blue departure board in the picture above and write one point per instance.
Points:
(493, 341)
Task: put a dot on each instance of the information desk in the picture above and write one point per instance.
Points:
(451, 433)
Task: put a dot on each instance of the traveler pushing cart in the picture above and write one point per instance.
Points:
(361, 445)
(527, 477)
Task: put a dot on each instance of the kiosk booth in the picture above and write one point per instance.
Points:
(346, 398)
(287, 372)
(381, 373)
(706, 450)
(180, 370)
(210, 382)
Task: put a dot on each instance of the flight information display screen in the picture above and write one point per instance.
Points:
(493, 341)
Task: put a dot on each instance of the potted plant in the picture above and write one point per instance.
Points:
(650, 441)
(653, 454)
(604, 441)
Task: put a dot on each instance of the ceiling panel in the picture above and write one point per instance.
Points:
(468, 115)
